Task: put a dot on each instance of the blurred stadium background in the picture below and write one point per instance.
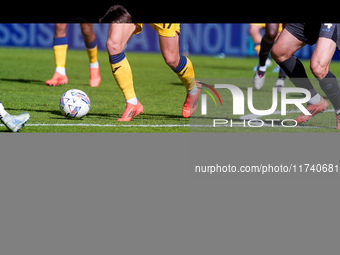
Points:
(231, 39)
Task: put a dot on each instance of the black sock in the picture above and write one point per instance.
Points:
(266, 46)
(330, 86)
(297, 74)
(282, 74)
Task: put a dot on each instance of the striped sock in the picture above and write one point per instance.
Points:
(122, 73)
(182, 63)
(114, 59)
(60, 41)
(60, 50)
(185, 72)
(92, 53)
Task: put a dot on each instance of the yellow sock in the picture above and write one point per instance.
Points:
(60, 49)
(92, 51)
(122, 73)
(185, 72)
(257, 48)
(60, 55)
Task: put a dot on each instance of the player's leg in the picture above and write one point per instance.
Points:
(184, 69)
(118, 36)
(254, 31)
(322, 57)
(181, 65)
(14, 123)
(60, 45)
(283, 53)
(320, 62)
(280, 82)
(92, 52)
(267, 43)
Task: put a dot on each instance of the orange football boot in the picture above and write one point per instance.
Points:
(57, 79)
(94, 77)
(338, 121)
(313, 109)
(191, 102)
(131, 111)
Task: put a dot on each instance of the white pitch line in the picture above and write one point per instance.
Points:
(101, 125)
(142, 125)
(245, 117)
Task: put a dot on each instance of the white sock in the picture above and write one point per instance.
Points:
(337, 111)
(2, 111)
(94, 65)
(194, 90)
(315, 99)
(133, 101)
(262, 68)
(61, 70)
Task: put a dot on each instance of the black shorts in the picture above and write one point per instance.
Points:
(310, 32)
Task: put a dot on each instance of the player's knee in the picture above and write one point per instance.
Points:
(318, 70)
(60, 30)
(171, 60)
(277, 54)
(270, 35)
(113, 47)
(253, 30)
(87, 31)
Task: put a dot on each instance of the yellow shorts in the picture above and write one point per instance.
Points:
(263, 25)
(163, 29)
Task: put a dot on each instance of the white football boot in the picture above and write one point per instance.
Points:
(15, 122)
(280, 83)
(259, 77)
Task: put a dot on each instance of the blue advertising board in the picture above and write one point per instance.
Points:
(209, 39)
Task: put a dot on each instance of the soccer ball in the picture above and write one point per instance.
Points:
(74, 103)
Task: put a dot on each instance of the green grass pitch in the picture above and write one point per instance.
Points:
(23, 73)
